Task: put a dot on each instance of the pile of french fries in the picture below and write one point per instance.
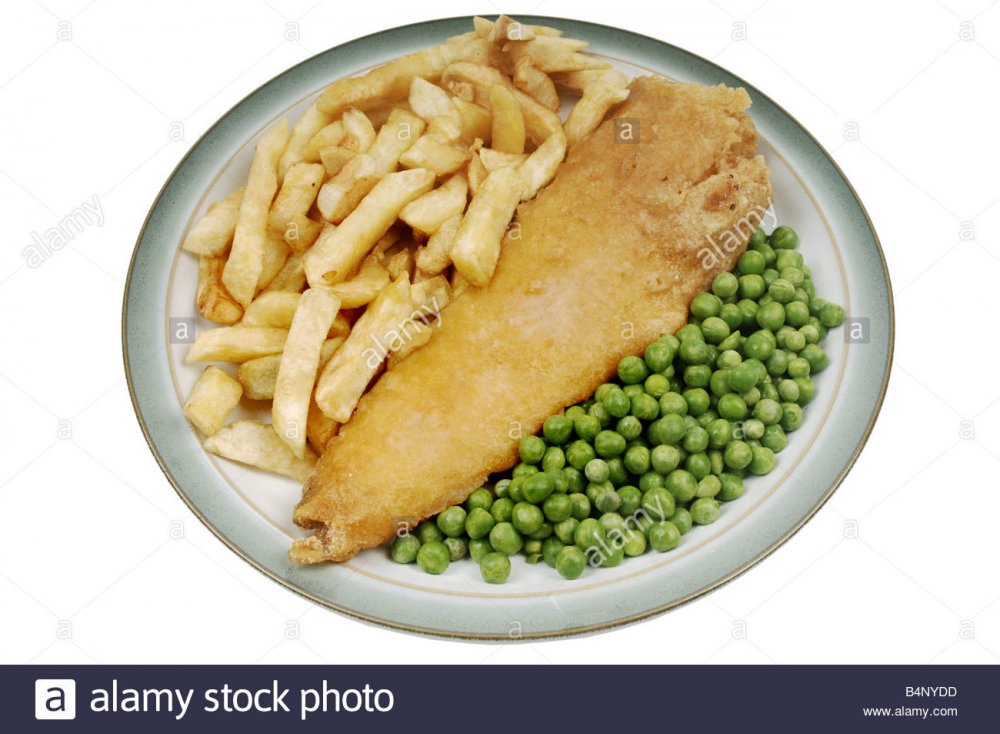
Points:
(388, 198)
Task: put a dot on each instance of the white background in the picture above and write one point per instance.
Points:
(101, 561)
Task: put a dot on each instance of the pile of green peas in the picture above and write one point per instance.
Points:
(663, 447)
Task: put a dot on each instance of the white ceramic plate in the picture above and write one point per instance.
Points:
(251, 510)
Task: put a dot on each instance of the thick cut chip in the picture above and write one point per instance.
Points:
(236, 344)
(536, 83)
(543, 164)
(256, 444)
(246, 258)
(338, 251)
(435, 256)
(291, 277)
(331, 135)
(212, 399)
(297, 194)
(508, 121)
(602, 91)
(299, 363)
(274, 308)
(477, 242)
(258, 376)
(308, 125)
(213, 233)
(362, 288)
(214, 302)
(427, 213)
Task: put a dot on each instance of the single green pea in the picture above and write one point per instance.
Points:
(738, 455)
(743, 377)
(637, 460)
(767, 410)
(586, 427)
(665, 458)
(682, 485)
(725, 285)
(719, 432)
(795, 341)
(609, 444)
(606, 559)
(799, 367)
(632, 390)
(784, 238)
(588, 533)
(597, 470)
(707, 418)
(629, 427)
(697, 375)
(752, 287)
(782, 292)
(607, 500)
(656, 386)
(732, 487)
(537, 488)
(682, 520)
(659, 503)
(774, 438)
(751, 263)
(728, 359)
(611, 521)
(501, 511)
(571, 562)
(753, 429)
(695, 440)
(748, 307)
(694, 352)
(433, 557)
(807, 390)
(481, 497)
(504, 538)
(645, 407)
(652, 479)
(751, 397)
(788, 259)
(617, 403)
(502, 488)
(631, 499)
(758, 238)
(531, 449)
(717, 462)
(769, 275)
(581, 505)
(663, 536)
(495, 568)
(633, 543)
(428, 531)
(777, 363)
(763, 461)
(673, 403)
(479, 522)
(698, 465)
(550, 550)
(705, 510)
(557, 507)
(718, 383)
(659, 355)
(554, 458)
(791, 416)
(404, 548)
(579, 453)
(810, 333)
(575, 410)
(704, 305)
(557, 429)
(632, 370)
(714, 329)
(597, 410)
(457, 548)
(831, 315)
(564, 530)
(697, 399)
(817, 359)
(771, 316)
(732, 407)
(796, 314)
(768, 391)
(560, 482)
(732, 316)
(527, 518)
(709, 486)
(575, 480)
(758, 345)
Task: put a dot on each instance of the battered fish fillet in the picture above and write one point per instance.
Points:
(608, 257)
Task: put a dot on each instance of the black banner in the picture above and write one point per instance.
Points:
(499, 698)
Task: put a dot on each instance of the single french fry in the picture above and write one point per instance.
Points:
(276, 252)
(311, 122)
(606, 90)
(212, 234)
(273, 308)
(435, 256)
(299, 363)
(539, 121)
(301, 232)
(431, 102)
(542, 165)
(246, 258)
(320, 428)
(236, 344)
(332, 134)
(297, 194)
(476, 121)
(347, 374)
(214, 302)
(431, 295)
(341, 194)
(427, 213)
(476, 173)
(421, 333)
(256, 444)
(550, 54)
(212, 399)
(536, 83)
(434, 155)
(392, 80)
(338, 251)
(362, 288)
(258, 376)
(291, 277)
(477, 243)
(508, 121)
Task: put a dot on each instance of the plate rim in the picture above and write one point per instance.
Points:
(598, 28)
